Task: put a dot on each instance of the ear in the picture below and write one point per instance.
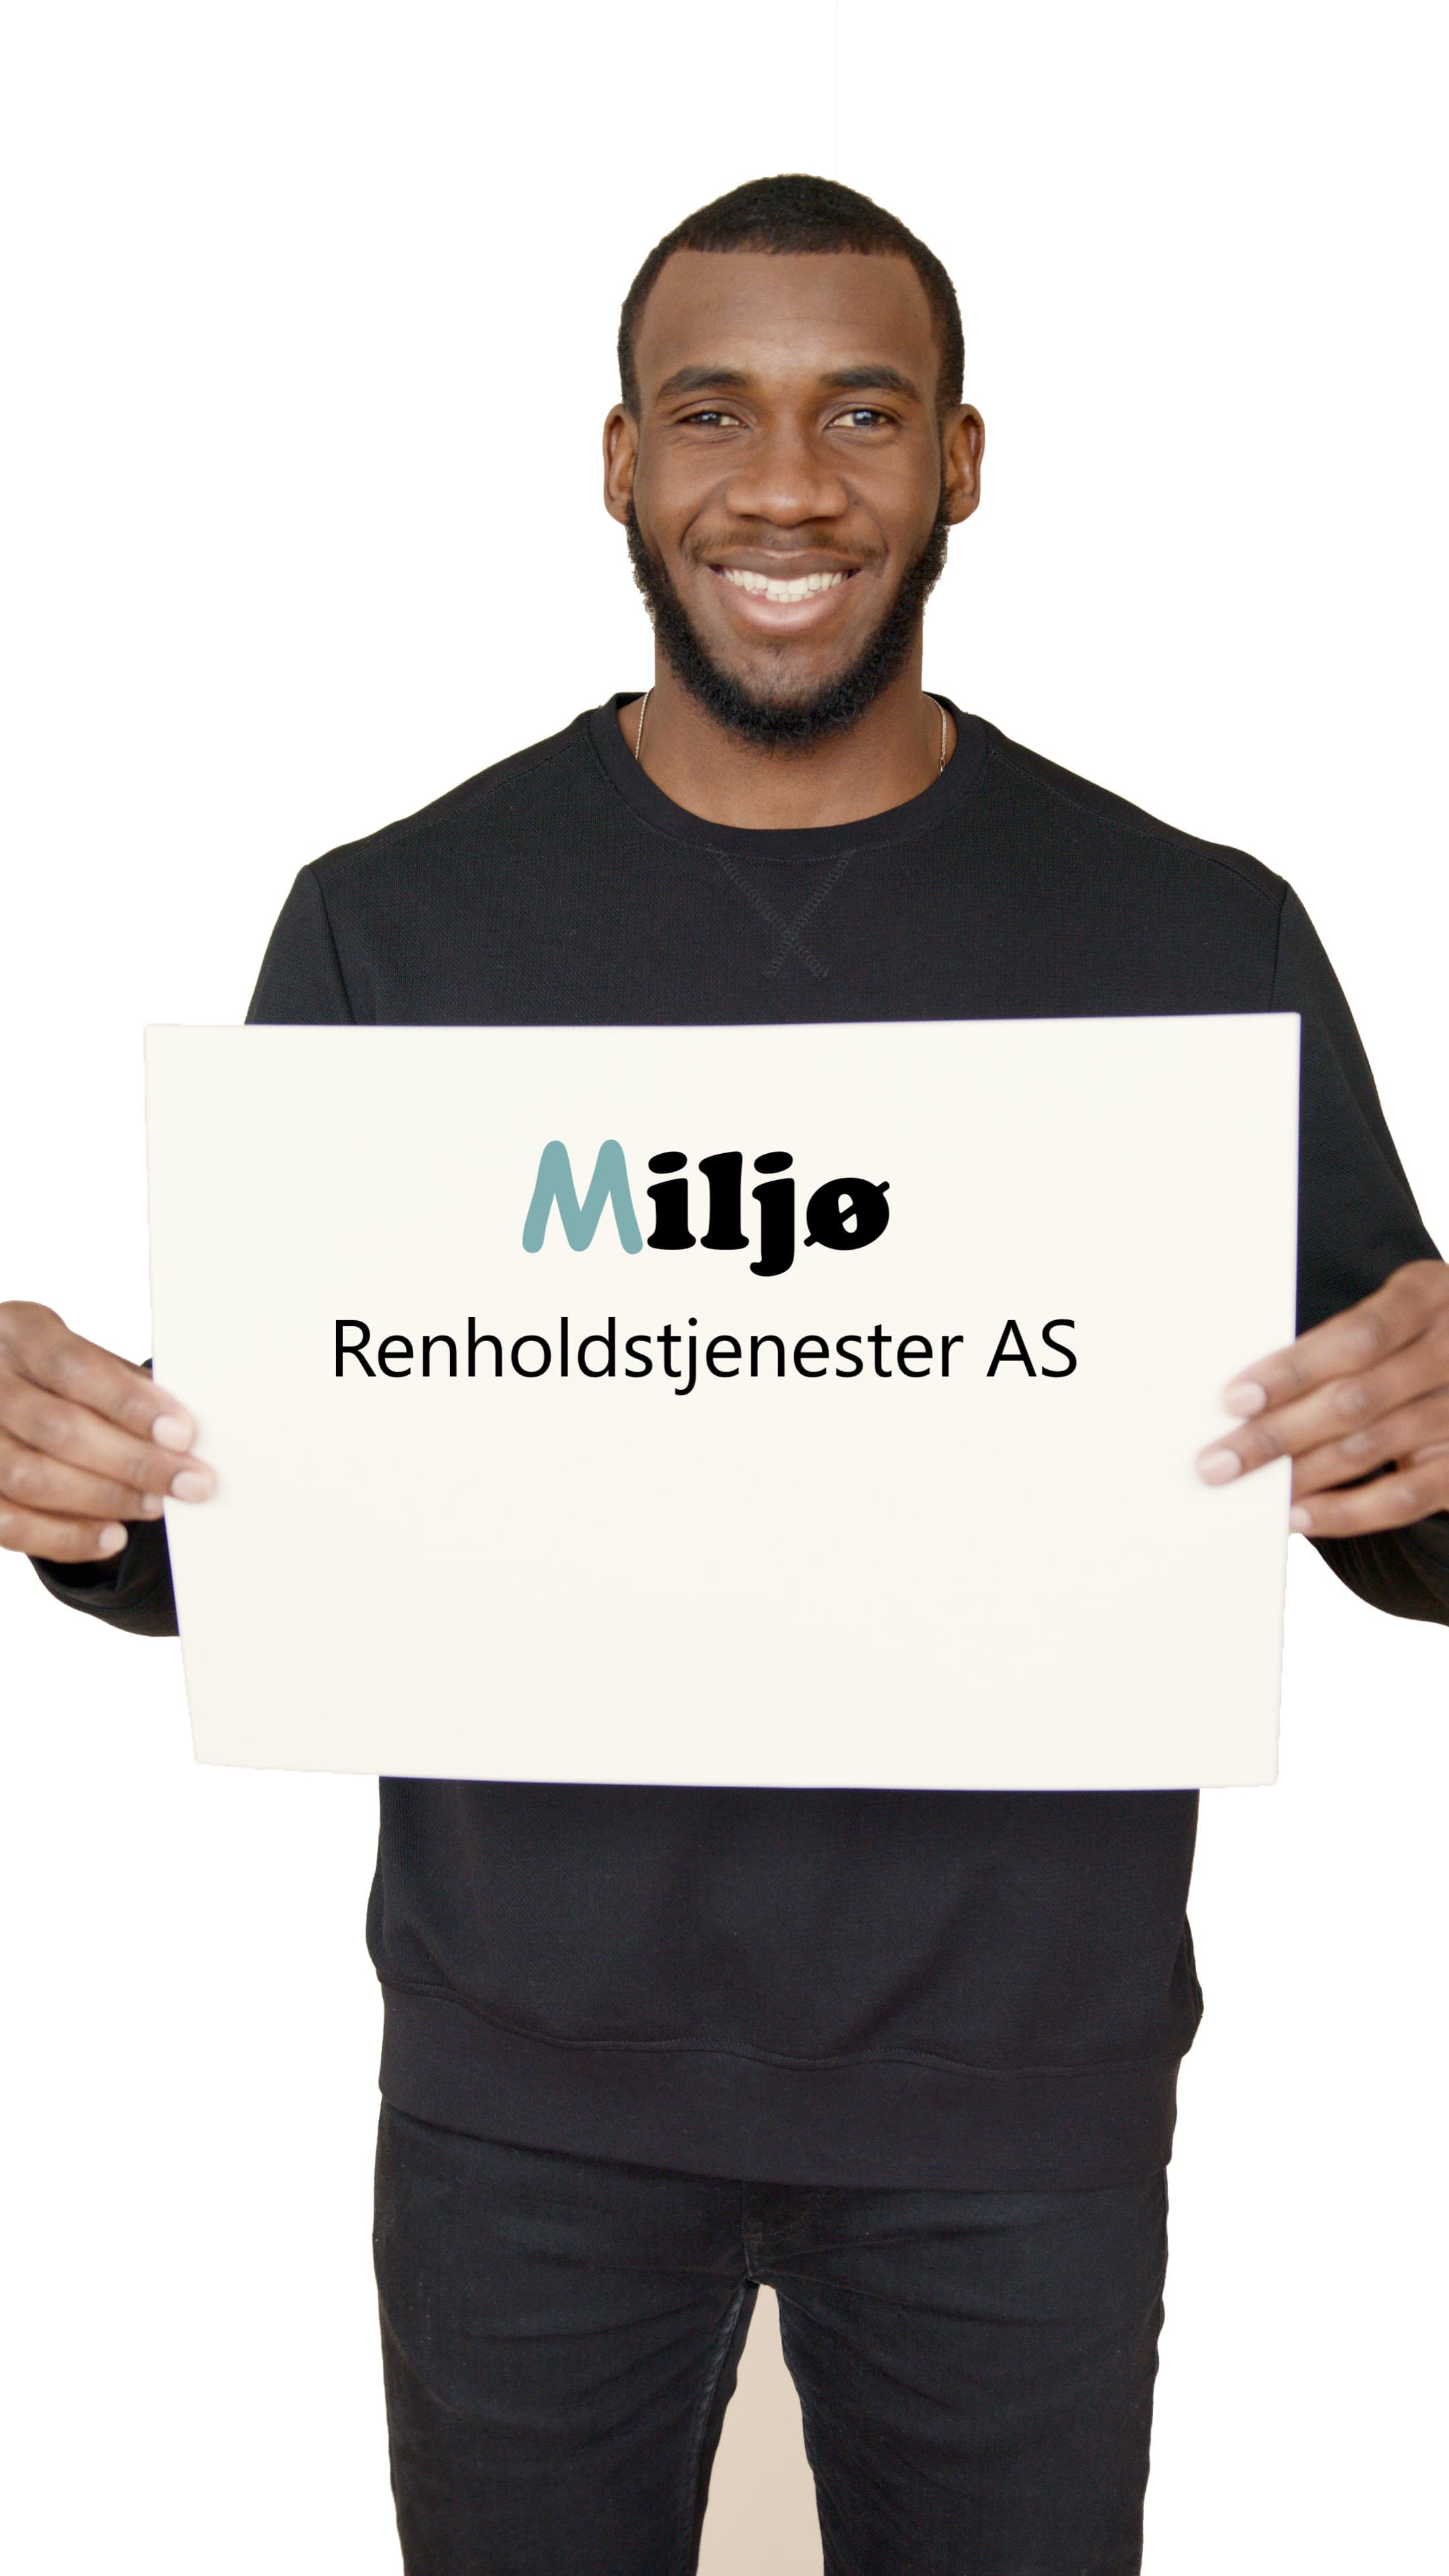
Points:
(963, 444)
(621, 453)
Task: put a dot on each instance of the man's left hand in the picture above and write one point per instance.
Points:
(1365, 1392)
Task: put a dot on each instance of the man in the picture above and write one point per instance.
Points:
(909, 2058)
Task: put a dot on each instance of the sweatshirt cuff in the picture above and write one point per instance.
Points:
(131, 1591)
(1426, 1544)
(1402, 1571)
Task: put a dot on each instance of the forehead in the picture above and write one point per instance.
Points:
(777, 314)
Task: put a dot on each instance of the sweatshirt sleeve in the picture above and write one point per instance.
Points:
(300, 985)
(131, 1591)
(1357, 1222)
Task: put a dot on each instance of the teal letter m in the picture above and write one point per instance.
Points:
(556, 1182)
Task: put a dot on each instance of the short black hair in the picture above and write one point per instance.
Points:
(798, 213)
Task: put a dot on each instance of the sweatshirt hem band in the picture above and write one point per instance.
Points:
(864, 2126)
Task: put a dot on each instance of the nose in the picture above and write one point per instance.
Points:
(786, 480)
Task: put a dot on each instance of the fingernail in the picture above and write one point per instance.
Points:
(1219, 1466)
(192, 1485)
(172, 1431)
(1245, 1397)
(112, 1539)
(1300, 1518)
(152, 1506)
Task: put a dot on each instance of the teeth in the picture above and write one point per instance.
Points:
(763, 587)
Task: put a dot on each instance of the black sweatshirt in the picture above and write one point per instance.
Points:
(964, 1990)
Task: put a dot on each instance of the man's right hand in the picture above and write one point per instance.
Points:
(87, 1443)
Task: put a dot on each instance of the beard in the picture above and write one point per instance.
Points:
(786, 723)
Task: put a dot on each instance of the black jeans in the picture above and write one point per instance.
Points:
(560, 2338)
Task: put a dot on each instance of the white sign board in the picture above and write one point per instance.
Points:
(774, 1406)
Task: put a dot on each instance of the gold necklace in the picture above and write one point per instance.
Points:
(648, 694)
(942, 762)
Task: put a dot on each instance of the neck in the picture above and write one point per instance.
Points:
(890, 755)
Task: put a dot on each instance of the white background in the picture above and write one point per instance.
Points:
(309, 319)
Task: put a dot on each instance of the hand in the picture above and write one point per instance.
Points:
(86, 1443)
(1367, 1390)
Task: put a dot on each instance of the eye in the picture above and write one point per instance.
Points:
(861, 416)
(710, 420)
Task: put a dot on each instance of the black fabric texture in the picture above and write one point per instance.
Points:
(862, 1988)
(131, 1591)
(560, 2338)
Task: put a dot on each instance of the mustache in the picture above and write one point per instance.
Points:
(800, 541)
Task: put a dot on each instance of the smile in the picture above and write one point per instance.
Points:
(762, 585)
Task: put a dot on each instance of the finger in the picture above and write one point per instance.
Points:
(1406, 1305)
(38, 1346)
(1414, 1432)
(1349, 1410)
(80, 1438)
(44, 1484)
(1390, 1502)
(64, 1542)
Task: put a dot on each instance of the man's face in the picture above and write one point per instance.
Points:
(789, 480)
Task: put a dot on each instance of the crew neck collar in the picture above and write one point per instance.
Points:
(807, 844)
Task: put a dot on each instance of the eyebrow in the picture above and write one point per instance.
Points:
(841, 380)
(702, 380)
(864, 380)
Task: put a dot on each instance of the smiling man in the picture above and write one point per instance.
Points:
(909, 2058)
